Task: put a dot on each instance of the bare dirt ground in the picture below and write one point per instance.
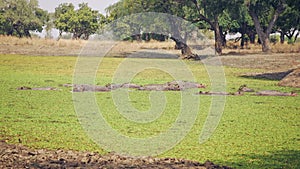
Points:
(17, 156)
(292, 79)
(271, 62)
(282, 67)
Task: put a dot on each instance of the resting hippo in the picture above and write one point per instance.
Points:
(183, 85)
(113, 86)
(89, 88)
(220, 93)
(274, 93)
(153, 87)
(244, 88)
(36, 88)
(130, 85)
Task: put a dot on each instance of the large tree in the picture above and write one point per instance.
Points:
(211, 12)
(200, 12)
(62, 16)
(85, 22)
(81, 22)
(288, 23)
(19, 17)
(128, 7)
(265, 11)
(245, 25)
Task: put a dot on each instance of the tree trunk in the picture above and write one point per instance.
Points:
(242, 40)
(186, 52)
(86, 36)
(60, 35)
(296, 36)
(138, 37)
(214, 25)
(218, 38)
(266, 47)
(263, 37)
(223, 36)
(243, 32)
(281, 37)
(251, 36)
(27, 34)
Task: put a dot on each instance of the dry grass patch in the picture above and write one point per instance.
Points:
(39, 46)
(124, 48)
(286, 48)
(51, 47)
(271, 62)
(235, 48)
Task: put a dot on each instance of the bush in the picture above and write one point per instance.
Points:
(291, 41)
(274, 39)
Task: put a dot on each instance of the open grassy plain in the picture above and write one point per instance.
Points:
(254, 132)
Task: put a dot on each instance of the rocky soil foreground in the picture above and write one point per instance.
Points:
(17, 156)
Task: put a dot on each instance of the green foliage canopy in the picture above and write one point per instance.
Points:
(289, 22)
(19, 17)
(82, 22)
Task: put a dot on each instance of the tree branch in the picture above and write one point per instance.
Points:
(280, 8)
(201, 16)
(256, 21)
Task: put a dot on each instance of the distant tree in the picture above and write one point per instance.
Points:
(19, 17)
(49, 26)
(81, 23)
(164, 24)
(63, 13)
(203, 13)
(242, 23)
(249, 17)
(288, 23)
(85, 22)
(211, 12)
(262, 11)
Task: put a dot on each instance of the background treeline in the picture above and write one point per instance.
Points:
(20, 17)
(251, 18)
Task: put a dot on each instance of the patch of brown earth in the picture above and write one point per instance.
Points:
(291, 80)
(269, 62)
(17, 156)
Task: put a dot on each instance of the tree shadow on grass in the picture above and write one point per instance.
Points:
(154, 54)
(277, 159)
(145, 54)
(269, 76)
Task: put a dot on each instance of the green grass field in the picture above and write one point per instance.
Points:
(255, 132)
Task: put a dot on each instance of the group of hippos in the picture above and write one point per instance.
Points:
(244, 89)
(169, 86)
